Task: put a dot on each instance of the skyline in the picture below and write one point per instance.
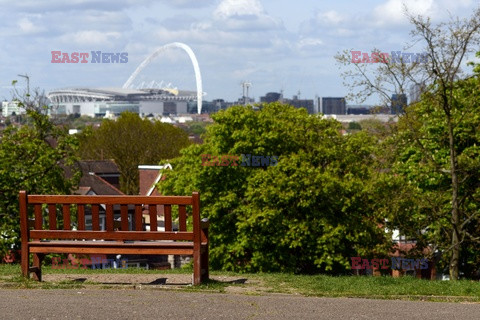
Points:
(274, 45)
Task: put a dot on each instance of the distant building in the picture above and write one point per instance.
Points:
(416, 91)
(300, 103)
(399, 102)
(271, 97)
(358, 109)
(98, 102)
(11, 108)
(333, 105)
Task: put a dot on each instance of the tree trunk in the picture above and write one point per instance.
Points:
(454, 259)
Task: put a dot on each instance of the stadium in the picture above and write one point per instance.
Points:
(99, 102)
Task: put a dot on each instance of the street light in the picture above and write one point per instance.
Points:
(28, 85)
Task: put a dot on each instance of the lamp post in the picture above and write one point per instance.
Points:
(28, 86)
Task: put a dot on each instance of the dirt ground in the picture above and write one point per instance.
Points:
(156, 281)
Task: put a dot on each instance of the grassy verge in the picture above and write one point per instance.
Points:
(406, 288)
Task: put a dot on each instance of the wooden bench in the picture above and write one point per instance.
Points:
(128, 238)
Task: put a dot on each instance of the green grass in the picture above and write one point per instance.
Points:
(407, 288)
(384, 287)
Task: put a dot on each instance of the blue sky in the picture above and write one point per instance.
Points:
(274, 44)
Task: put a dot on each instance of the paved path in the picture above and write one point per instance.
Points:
(167, 304)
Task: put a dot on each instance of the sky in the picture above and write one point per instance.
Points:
(276, 45)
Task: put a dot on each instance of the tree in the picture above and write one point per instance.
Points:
(131, 141)
(308, 213)
(32, 158)
(446, 45)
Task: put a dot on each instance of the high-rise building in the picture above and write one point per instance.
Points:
(271, 97)
(416, 91)
(333, 105)
(300, 103)
(399, 102)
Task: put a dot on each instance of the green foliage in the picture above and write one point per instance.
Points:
(354, 126)
(420, 183)
(196, 127)
(32, 158)
(309, 213)
(131, 141)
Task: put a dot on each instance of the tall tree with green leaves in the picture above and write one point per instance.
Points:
(310, 212)
(33, 157)
(447, 46)
(132, 141)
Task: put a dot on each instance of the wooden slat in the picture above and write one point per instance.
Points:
(52, 217)
(81, 216)
(182, 218)
(95, 217)
(138, 218)
(75, 199)
(109, 218)
(66, 217)
(38, 216)
(124, 217)
(109, 250)
(167, 215)
(111, 235)
(152, 209)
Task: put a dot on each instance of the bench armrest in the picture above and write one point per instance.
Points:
(204, 224)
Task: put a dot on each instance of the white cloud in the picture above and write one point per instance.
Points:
(26, 25)
(91, 38)
(231, 8)
(244, 15)
(309, 42)
(392, 11)
(330, 17)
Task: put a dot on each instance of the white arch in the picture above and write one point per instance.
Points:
(196, 68)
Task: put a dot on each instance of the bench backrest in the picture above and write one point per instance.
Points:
(127, 205)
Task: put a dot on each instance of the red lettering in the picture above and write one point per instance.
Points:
(65, 58)
(234, 160)
(55, 58)
(84, 262)
(205, 158)
(365, 58)
(224, 162)
(384, 57)
(355, 56)
(75, 57)
(55, 261)
(375, 263)
(84, 55)
(356, 263)
(365, 264)
(384, 263)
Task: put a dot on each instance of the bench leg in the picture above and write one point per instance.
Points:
(37, 266)
(197, 267)
(204, 265)
(25, 261)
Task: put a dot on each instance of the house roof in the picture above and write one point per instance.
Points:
(149, 176)
(99, 166)
(90, 182)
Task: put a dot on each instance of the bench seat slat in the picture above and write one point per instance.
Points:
(107, 247)
(111, 235)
